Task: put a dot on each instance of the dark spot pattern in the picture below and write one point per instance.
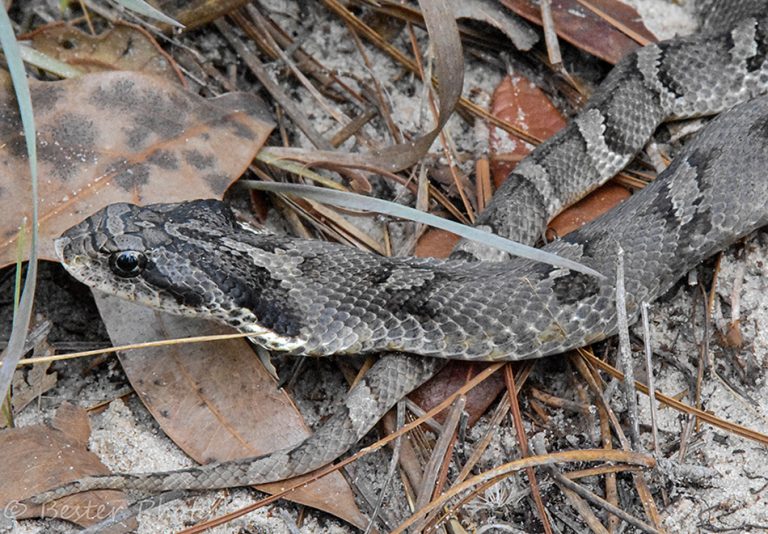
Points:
(70, 145)
(152, 112)
(132, 177)
(46, 95)
(198, 160)
(417, 300)
(241, 130)
(165, 159)
(258, 292)
(669, 80)
(627, 125)
(574, 287)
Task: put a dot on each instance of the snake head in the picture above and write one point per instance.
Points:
(191, 258)
(134, 251)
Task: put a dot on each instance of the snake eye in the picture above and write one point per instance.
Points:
(127, 263)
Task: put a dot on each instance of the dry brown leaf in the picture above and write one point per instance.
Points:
(436, 243)
(29, 383)
(39, 457)
(585, 29)
(452, 377)
(124, 47)
(600, 201)
(215, 400)
(120, 137)
(487, 11)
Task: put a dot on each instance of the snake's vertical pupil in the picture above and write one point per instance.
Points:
(127, 263)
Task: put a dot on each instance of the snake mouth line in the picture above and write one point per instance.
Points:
(59, 245)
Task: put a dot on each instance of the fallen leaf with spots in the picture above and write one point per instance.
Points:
(119, 137)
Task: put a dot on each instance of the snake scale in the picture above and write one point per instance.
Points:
(316, 298)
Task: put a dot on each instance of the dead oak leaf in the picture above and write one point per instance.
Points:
(120, 137)
(604, 35)
(38, 457)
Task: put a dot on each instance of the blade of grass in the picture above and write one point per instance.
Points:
(143, 8)
(22, 314)
(360, 202)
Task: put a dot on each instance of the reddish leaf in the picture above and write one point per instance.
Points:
(587, 209)
(585, 29)
(436, 243)
(452, 377)
(517, 100)
(120, 137)
(39, 457)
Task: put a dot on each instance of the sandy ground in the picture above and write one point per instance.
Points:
(732, 493)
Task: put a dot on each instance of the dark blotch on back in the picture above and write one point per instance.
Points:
(620, 136)
(514, 185)
(574, 287)
(257, 291)
(669, 81)
(701, 221)
(417, 300)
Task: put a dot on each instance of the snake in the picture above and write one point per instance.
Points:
(315, 298)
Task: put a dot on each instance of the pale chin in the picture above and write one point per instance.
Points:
(59, 245)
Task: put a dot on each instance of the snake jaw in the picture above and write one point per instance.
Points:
(60, 246)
